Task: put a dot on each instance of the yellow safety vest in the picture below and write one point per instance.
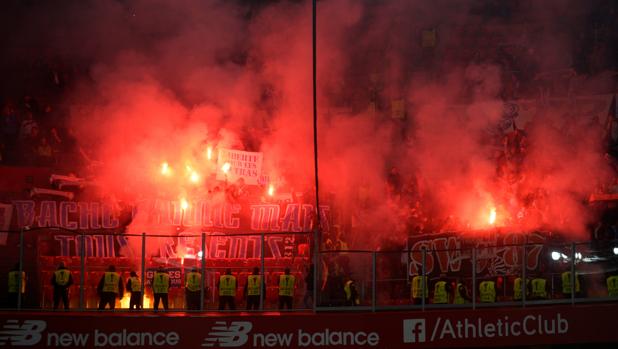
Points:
(14, 281)
(253, 285)
(62, 277)
(459, 299)
(160, 282)
(286, 285)
(566, 283)
(194, 281)
(416, 287)
(538, 288)
(110, 283)
(348, 292)
(518, 288)
(227, 285)
(136, 284)
(439, 293)
(612, 286)
(488, 291)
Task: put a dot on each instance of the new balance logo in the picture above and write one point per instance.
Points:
(28, 333)
(414, 330)
(233, 335)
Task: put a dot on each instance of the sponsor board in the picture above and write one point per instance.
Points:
(406, 329)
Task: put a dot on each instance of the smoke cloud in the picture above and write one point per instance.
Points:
(167, 80)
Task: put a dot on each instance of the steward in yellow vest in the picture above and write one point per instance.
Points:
(286, 289)
(160, 288)
(612, 285)
(227, 290)
(193, 289)
(134, 285)
(14, 285)
(487, 291)
(538, 289)
(254, 289)
(351, 293)
(441, 291)
(519, 288)
(565, 279)
(110, 287)
(416, 289)
(61, 281)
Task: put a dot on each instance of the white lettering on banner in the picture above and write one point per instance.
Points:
(240, 164)
(414, 330)
(272, 339)
(237, 334)
(124, 339)
(328, 338)
(67, 339)
(26, 334)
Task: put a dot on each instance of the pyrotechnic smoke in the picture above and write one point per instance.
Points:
(169, 80)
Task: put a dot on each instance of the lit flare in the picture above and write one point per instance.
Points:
(194, 177)
(492, 216)
(226, 167)
(184, 204)
(165, 169)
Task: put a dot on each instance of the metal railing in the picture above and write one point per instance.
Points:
(271, 253)
(573, 272)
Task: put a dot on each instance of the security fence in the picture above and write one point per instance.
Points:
(486, 276)
(459, 277)
(39, 253)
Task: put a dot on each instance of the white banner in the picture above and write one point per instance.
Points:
(6, 211)
(235, 164)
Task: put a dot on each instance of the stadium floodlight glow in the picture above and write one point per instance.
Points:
(555, 255)
(616, 250)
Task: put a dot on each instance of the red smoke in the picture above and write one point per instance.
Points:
(168, 80)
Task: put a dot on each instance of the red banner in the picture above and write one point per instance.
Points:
(405, 329)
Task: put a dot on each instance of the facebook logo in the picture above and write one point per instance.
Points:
(413, 330)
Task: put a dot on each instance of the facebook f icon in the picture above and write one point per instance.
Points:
(414, 330)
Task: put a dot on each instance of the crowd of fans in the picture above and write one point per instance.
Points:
(34, 127)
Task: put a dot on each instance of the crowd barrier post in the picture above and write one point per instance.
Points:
(82, 270)
(203, 267)
(473, 278)
(21, 268)
(572, 281)
(424, 275)
(143, 271)
(373, 281)
(262, 271)
(524, 266)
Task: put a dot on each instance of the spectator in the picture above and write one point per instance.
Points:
(44, 153)
(25, 129)
(29, 146)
